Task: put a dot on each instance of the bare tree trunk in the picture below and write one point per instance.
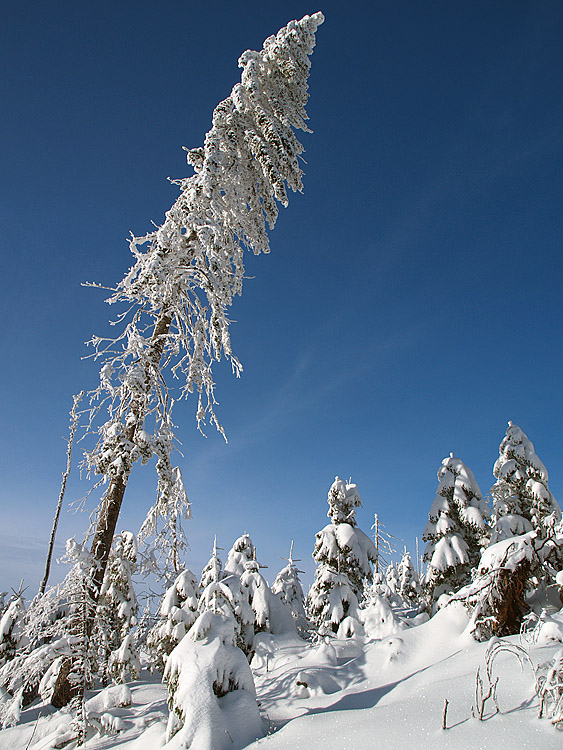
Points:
(73, 425)
(111, 506)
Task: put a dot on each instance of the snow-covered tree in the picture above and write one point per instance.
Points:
(288, 586)
(378, 618)
(11, 627)
(178, 612)
(331, 601)
(409, 585)
(117, 613)
(224, 592)
(187, 272)
(522, 500)
(497, 595)
(456, 531)
(212, 697)
(258, 595)
(242, 551)
(344, 555)
(392, 583)
(213, 571)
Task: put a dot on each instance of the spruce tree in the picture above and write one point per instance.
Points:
(409, 585)
(213, 570)
(258, 595)
(288, 586)
(456, 531)
(344, 555)
(177, 613)
(117, 613)
(522, 500)
(242, 551)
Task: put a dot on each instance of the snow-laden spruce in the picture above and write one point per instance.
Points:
(344, 555)
(212, 698)
(242, 551)
(11, 628)
(498, 595)
(117, 613)
(288, 587)
(522, 500)
(258, 595)
(410, 589)
(213, 570)
(177, 613)
(456, 531)
(186, 273)
(224, 592)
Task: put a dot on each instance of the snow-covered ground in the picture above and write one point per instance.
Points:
(388, 693)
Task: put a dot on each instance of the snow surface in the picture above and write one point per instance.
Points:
(347, 694)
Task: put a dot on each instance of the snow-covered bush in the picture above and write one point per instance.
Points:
(456, 531)
(378, 618)
(331, 600)
(549, 688)
(392, 584)
(213, 570)
(55, 637)
(212, 698)
(177, 613)
(224, 593)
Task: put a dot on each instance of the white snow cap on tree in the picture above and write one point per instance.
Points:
(522, 499)
(242, 551)
(456, 530)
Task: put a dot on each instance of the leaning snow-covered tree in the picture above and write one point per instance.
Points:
(344, 555)
(456, 531)
(187, 272)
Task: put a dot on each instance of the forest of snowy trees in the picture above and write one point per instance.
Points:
(498, 555)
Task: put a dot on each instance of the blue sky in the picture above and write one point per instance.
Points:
(410, 305)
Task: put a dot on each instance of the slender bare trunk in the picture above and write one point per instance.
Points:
(73, 425)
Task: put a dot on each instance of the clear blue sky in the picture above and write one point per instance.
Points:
(411, 304)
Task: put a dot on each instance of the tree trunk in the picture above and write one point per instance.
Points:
(64, 692)
(73, 425)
